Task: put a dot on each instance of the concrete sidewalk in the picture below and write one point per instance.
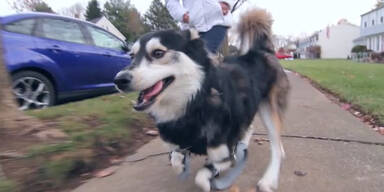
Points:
(330, 166)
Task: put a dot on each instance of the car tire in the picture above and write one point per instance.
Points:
(33, 90)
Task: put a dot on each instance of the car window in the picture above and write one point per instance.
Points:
(104, 39)
(62, 30)
(24, 26)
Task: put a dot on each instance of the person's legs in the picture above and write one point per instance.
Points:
(214, 37)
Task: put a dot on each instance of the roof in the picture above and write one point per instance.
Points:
(373, 10)
(361, 38)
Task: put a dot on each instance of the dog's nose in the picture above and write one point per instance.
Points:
(122, 81)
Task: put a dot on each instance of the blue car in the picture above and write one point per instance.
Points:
(52, 58)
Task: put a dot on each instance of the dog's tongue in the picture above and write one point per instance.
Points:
(153, 90)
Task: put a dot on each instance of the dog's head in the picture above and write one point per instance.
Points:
(167, 68)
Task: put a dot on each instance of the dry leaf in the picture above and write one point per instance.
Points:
(381, 130)
(115, 161)
(152, 133)
(106, 172)
(300, 173)
(11, 155)
(346, 106)
(51, 133)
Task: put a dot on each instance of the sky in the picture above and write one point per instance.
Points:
(291, 17)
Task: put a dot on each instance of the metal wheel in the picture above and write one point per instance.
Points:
(32, 90)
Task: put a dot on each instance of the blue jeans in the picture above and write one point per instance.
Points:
(214, 37)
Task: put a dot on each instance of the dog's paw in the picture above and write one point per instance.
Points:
(177, 162)
(266, 185)
(202, 179)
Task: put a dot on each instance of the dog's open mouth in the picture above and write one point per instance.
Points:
(148, 96)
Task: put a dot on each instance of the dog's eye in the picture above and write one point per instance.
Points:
(158, 53)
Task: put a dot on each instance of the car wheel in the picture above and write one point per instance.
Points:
(33, 90)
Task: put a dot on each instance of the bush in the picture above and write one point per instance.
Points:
(359, 49)
(377, 57)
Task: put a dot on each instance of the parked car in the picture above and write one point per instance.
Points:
(280, 55)
(51, 58)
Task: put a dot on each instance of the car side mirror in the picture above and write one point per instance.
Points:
(125, 48)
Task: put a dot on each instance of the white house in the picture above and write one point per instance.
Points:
(335, 41)
(305, 43)
(104, 23)
(372, 30)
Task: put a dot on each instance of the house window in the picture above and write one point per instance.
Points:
(381, 19)
(365, 24)
(373, 22)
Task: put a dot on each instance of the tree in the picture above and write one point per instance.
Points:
(6, 99)
(359, 49)
(10, 116)
(42, 7)
(31, 5)
(93, 10)
(158, 17)
(75, 11)
(125, 18)
(379, 3)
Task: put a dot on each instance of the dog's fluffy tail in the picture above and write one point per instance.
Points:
(254, 29)
(255, 33)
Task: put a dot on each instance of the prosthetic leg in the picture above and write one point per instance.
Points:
(225, 181)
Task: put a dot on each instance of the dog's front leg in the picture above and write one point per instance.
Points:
(218, 161)
(179, 160)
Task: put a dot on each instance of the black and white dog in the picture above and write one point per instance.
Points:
(208, 109)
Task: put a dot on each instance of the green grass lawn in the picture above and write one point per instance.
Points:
(361, 84)
(97, 129)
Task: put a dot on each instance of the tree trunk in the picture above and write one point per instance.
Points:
(10, 116)
(7, 103)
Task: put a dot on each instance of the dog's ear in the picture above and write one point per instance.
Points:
(190, 34)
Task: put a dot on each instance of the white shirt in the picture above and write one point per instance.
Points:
(203, 14)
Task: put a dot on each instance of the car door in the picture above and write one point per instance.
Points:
(108, 53)
(64, 42)
(18, 43)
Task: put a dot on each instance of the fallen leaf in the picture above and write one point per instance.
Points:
(366, 118)
(260, 141)
(51, 133)
(109, 149)
(85, 175)
(152, 133)
(346, 106)
(300, 173)
(11, 155)
(381, 130)
(115, 161)
(106, 172)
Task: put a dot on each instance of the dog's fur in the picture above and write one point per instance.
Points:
(208, 109)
